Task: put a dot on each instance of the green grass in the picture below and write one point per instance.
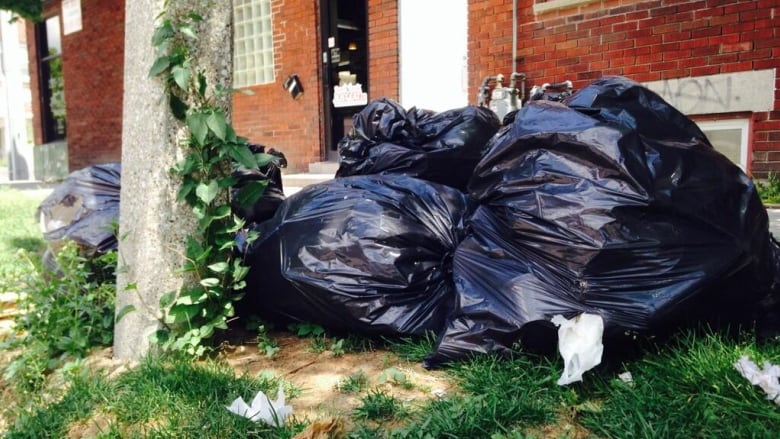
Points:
(687, 389)
(161, 398)
(19, 231)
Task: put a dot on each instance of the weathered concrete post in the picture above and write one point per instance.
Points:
(153, 226)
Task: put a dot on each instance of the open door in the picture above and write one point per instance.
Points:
(345, 67)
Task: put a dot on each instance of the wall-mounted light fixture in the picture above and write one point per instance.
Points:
(352, 46)
(293, 86)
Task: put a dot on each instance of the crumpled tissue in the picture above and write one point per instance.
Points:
(263, 409)
(767, 378)
(579, 342)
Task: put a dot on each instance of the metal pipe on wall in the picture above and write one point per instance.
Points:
(514, 36)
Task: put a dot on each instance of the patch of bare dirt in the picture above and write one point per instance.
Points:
(315, 374)
(318, 375)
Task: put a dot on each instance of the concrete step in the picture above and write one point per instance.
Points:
(294, 182)
(329, 167)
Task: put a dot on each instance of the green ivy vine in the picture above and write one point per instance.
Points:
(194, 314)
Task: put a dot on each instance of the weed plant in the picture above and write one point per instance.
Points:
(413, 348)
(769, 190)
(379, 405)
(354, 383)
(62, 315)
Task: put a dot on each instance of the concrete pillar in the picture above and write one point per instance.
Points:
(153, 226)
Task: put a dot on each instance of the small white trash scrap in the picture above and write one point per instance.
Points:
(263, 409)
(767, 378)
(579, 342)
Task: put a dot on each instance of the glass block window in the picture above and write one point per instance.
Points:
(253, 61)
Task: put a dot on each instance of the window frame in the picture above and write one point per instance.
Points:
(732, 124)
(246, 71)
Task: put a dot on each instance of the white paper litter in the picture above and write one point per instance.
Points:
(263, 409)
(626, 377)
(767, 378)
(579, 342)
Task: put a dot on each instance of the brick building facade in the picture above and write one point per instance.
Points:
(648, 41)
(672, 45)
(92, 63)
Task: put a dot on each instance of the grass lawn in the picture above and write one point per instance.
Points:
(19, 233)
(685, 387)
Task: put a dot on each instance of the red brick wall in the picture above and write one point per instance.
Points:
(296, 127)
(35, 95)
(383, 70)
(271, 117)
(93, 63)
(643, 40)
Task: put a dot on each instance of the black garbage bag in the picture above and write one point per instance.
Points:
(616, 206)
(258, 192)
(365, 253)
(84, 208)
(438, 147)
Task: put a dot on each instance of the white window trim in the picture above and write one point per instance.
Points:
(552, 5)
(732, 124)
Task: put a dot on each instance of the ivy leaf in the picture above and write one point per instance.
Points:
(162, 33)
(181, 313)
(207, 192)
(239, 271)
(197, 124)
(228, 182)
(250, 193)
(217, 124)
(193, 249)
(181, 76)
(167, 299)
(263, 159)
(210, 282)
(219, 267)
(222, 212)
(195, 17)
(178, 107)
(186, 189)
(230, 136)
(243, 155)
(187, 165)
(160, 65)
(192, 297)
(187, 30)
(127, 309)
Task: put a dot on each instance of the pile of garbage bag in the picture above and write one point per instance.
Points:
(83, 208)
(610, 203)
(258, 192)
(613, 204)
(364, 253)
(439, 147)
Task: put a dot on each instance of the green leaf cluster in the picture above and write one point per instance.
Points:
(196, 313)
(29, 9)
(62, 315)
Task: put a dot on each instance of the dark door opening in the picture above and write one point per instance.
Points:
(345, 67)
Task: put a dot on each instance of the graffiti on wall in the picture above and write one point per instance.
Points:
(724, 93)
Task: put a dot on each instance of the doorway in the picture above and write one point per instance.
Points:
(345, 67)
